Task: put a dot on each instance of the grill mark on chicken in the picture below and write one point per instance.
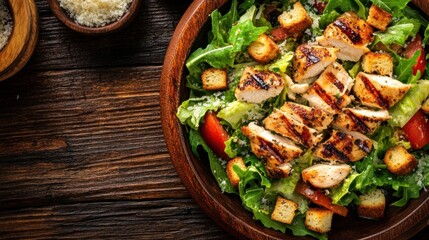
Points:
(363, 145)
(329, 150)
(351, 34)
(325, 97)
(303, 114)
(359, 123)
(304, 137)
(260, 81)
(378, 97)
(272, 151)
(334, 80)
(311, 57)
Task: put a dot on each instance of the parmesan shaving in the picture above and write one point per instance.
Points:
(95, 13)
(6, 24)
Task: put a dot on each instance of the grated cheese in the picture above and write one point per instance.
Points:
(95, 13)
(6, 24)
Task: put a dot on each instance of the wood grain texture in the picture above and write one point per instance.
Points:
(83, 135)
(161, 219)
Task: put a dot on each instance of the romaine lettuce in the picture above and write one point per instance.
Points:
(403, 110)
(192, 111)
(237, 112)
(216, 166)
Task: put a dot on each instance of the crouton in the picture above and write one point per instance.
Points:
(425, 106)
(378, 18)
(214, 79)
(284, 210)
(232, 175)
(378, 63)
(318, 220)
(295, 21)
(264, 49)
(399, 161)
(372, 205)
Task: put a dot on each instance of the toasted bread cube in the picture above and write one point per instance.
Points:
(378, 63)
(425, 106)
(264, 49)
(284, 210)
(318, 220)
(214, 79)
(399, 161)
(232, 175)
(295, 21)
(372, 205)
(378, 18)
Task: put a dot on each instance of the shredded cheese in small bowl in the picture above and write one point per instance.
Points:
(6, 24)
(95, 13)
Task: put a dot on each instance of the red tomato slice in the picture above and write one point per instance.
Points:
(417, 130)
(214, 135)
(319, 198)
(278, 34)
(319, 6)
(412, 47)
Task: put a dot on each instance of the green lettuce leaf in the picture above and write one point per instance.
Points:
(192, 111)
(403, 68)
(245, 32)
(403, 110)
(237, 144)
(236, 113)
(398, 33)
(216, 165)
(392, 6)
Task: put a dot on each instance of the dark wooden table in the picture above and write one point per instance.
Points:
(82, 153)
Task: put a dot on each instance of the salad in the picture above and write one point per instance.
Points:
(313, 108)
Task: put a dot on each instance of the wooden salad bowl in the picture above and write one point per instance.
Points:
(23, 40)
(63, 16)
(226, 210)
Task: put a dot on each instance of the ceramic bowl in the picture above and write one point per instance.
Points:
(224, 209)
(65, 18)
(23, 40)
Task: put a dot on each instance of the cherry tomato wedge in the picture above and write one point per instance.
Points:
(278, 34)
(214, 134)
(319, 5)
(416, 130)
(412, 47)
(319, 198)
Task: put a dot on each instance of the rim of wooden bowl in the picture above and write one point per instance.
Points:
(214, 203)
(23, 40)
(112, 27)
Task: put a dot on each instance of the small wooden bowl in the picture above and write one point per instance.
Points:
(64, 17)
(23, 39)
(227, 210)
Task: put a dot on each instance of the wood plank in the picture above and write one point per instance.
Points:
(83, 135)
(160, 219)
(143, 42)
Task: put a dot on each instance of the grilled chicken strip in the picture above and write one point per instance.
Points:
(275, 150)
(325, 175)
(360, 120)
(344, 146)
(258, 86)
(287, 126)
(350, 34)
(379, 91)
(329, 91)
(310, 60)
(310, 116)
